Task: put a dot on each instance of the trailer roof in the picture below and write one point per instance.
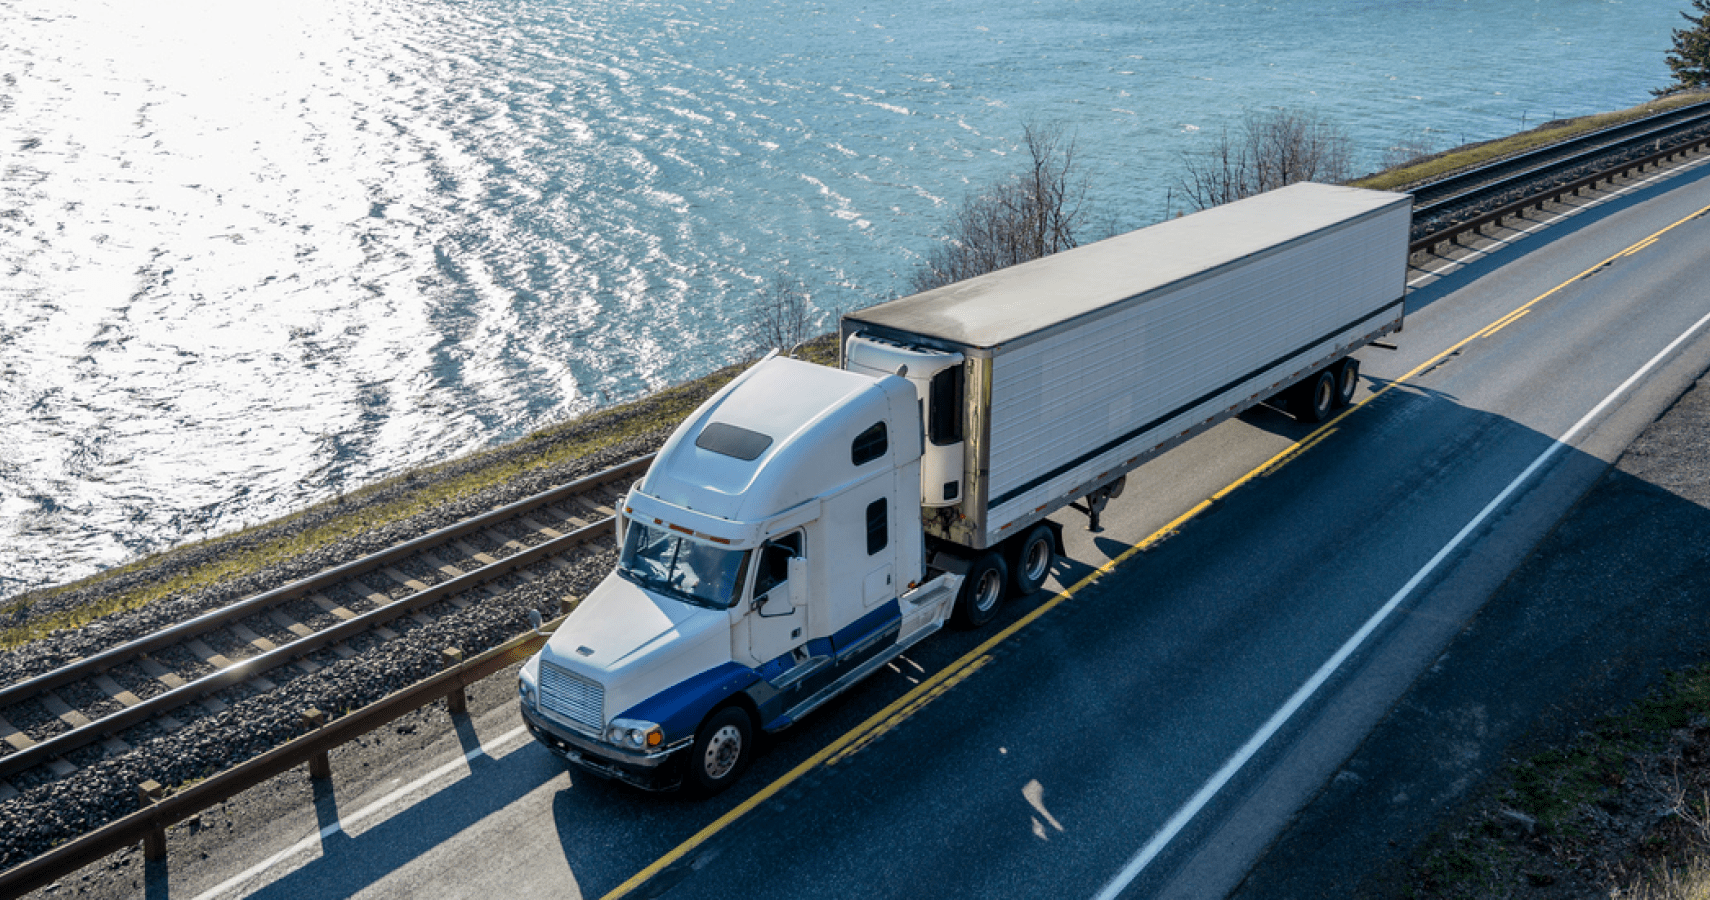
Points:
(1000, 307)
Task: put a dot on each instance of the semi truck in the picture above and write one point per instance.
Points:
(808, 524)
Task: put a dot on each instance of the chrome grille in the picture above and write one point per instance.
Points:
(576, 700)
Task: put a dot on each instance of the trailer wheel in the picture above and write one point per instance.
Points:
(1034, 555)
(982, 590)
(1347, 381)
(722, 749)
(1315, 398)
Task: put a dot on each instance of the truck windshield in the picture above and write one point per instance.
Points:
(687, 570)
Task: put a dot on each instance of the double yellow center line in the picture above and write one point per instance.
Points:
(903, 707)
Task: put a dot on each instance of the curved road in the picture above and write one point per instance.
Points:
(1150, 729)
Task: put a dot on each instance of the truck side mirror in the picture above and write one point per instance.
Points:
(798, 581)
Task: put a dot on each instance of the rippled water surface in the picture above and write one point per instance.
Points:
(257, 254)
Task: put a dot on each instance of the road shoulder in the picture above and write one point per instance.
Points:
(1605, 606)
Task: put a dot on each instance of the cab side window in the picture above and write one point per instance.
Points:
(869, 445)
(878, 526)
(775, 562)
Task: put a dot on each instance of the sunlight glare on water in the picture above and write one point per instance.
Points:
(257, 255)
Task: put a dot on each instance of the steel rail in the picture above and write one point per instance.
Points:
(1454, 232)
(66, 741)
(128, 830)
(1451, 190)
(100, 662)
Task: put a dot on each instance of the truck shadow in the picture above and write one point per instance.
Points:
(1256, 593)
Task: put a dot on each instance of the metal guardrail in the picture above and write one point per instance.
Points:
(1454, 232)
(148, 824)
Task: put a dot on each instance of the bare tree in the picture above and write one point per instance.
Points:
(1269, 150)
(781, 319)
(1036, 212)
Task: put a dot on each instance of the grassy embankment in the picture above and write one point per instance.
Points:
(1623, 808)
(253, 549)
(1438, 165)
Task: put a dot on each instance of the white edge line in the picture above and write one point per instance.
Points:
(1450, 265)
(363, 813)
(1282, 715)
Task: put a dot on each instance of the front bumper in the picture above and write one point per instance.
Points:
(658, 771)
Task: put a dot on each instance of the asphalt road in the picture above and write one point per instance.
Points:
(1150, 733)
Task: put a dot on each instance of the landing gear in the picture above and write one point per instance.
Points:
(1097, 500)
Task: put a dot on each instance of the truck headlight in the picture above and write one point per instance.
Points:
(526, 678)
(633, 734)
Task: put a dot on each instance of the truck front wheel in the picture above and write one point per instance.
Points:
(982, 590)
(722, 749)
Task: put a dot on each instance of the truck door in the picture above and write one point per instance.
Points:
(777, 624)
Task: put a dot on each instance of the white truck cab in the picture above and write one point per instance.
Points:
(771, 556)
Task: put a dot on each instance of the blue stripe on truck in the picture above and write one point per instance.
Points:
(682, 706)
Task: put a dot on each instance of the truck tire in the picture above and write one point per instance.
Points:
(1347, 381)
(723, 747)
(1314, 399)
(982, 590)
(1034, 554)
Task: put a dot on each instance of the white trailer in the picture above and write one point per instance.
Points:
(1078, 367)
(806, 525)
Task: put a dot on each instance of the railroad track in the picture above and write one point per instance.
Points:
(56, 722)
(1443, 193)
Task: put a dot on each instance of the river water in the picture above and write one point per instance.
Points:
(258, 254)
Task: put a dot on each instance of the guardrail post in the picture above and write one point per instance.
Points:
(320, 767)
(456, 702)
(565, 604)
(154, 843)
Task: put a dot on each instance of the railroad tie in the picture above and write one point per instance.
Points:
(75, 718)
(449, 571)
(153, 669)
(511, 544)
(62, 710)
(344, 650)
(474, 554)
(16, 739)
(604, 511)
(261, 644)
(416, 586)
(112, 743)
(541, 527)
(299, 630)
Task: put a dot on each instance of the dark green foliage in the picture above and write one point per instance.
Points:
(1690, 58)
